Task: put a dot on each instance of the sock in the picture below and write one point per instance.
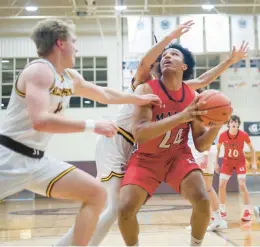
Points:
(195, 242)
(247, 207)
(217, 215)
(222, 208)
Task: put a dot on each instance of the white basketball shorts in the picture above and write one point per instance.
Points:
(19, 172)
(207, 159)
(112, 155)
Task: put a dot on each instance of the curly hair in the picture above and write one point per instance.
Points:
(188, 60)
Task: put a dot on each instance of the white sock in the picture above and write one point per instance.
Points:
(217, 215)
(247, 207)
(195, 242)
(222, 208)
(106, 219)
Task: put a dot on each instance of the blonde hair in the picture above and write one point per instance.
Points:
(47, 32)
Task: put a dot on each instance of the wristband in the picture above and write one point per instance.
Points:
(90, 125)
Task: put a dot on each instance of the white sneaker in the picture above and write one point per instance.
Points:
(257, 213)
(188, 228)
(217, 225)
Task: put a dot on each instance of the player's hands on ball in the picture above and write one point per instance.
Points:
(191, 112)
(149, 99)
(106, 128)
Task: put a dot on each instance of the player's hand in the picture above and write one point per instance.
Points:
(217, 169)
(239, 54)
(106, 128)
(191, 112)
(182, 29)
(149, 99)
(254, 168)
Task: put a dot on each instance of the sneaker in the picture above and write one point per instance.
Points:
(217, 225)
(257, 213)
(246, 216)
(224, 215)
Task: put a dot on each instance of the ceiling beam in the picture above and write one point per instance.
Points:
(227, 5)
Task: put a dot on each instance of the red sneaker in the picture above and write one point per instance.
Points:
(246, 216)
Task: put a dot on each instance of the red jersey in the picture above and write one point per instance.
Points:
(173, 102)
(234, 144)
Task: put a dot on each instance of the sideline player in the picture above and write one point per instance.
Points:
(41, 92)
(234, 159)
(117, 150)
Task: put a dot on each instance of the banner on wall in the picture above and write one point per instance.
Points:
(252, 128)
(193, 40)
(242, 28)
(255, 72)
(129, 69)
(217, 33)
(139, 33)
(236, 75)
(163, 26)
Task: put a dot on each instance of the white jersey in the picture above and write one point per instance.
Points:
(17, 124)
(118, 149)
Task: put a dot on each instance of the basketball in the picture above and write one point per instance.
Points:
(218, 106)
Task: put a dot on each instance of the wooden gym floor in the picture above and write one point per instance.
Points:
(163, 221)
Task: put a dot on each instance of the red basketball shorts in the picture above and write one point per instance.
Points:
(229, 165)
(148, 170)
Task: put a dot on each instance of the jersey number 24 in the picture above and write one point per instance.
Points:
(178, 139)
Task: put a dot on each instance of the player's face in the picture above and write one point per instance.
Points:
(69, 51)
(172, 60)
(233, 124)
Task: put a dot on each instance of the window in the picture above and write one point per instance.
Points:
(205, 63)
(93, 69)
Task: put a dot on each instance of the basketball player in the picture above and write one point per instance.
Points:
(117, 150)
(257, 213)
(162, 152)
(41, 92)
(234, 159)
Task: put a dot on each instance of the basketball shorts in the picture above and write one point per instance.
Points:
(112, 155)
(148, 171)
(228, 166)
(206, 160)
(19, 172)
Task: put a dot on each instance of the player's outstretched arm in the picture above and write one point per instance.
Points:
(144, 67)
(212, 74)
(38, 79)
(106, 95)
(202, 137)
(143, 127)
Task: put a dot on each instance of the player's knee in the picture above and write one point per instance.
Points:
(98, 197)
(200, 202)
(242, 187)
(126, 210)
(222, 184)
